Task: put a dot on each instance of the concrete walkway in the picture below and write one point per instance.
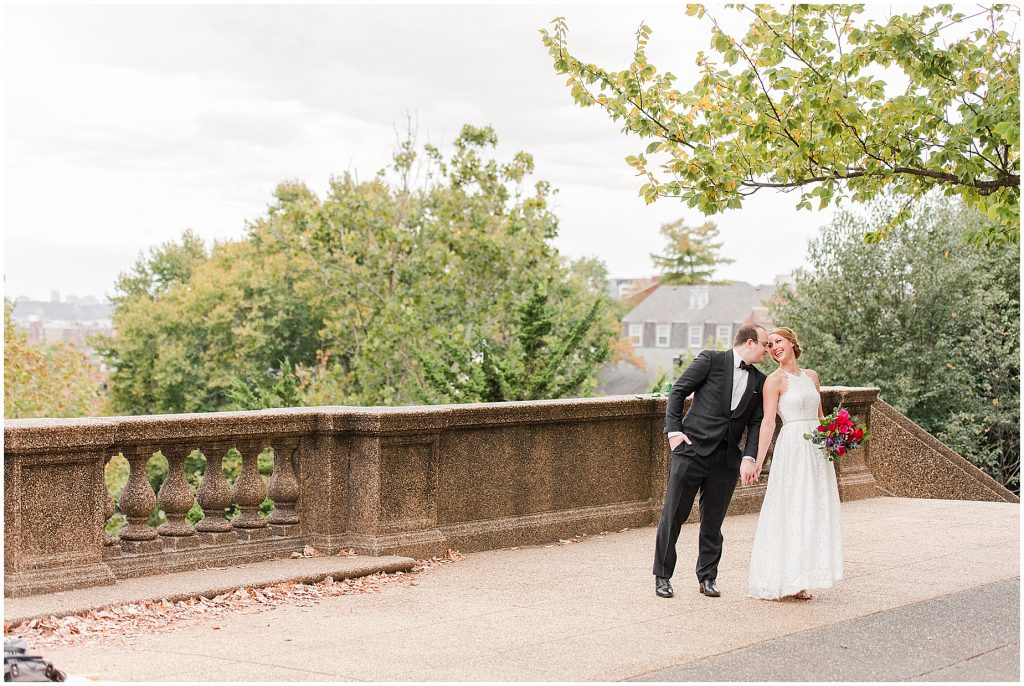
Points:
(587, 611)
(972, 635)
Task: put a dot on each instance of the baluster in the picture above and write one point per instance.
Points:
(283, 489)
(249, 493)
(214, 497)
(176, 498)
(110, 546)
(138, 502)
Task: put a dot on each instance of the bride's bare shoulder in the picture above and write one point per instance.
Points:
(774, 380)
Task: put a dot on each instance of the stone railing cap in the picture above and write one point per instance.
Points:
(58, 435)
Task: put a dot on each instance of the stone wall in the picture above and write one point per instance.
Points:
(407, 480)
(915, 464)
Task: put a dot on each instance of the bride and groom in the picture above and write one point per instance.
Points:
(797, 544)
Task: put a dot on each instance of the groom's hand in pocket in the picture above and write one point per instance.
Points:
(675, 441)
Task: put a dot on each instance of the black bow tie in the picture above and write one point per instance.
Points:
(746, 367)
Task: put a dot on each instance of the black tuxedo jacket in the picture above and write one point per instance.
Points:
(709, 421)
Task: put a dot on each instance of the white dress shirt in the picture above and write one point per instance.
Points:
(739, 384)
(739, 380)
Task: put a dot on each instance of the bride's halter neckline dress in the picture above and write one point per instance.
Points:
(798, 542)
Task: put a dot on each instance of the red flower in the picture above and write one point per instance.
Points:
(822, 429)
(843, 414)
(840, 451)
(832, 426)
(858, 434)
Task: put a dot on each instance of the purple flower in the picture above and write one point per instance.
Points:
(828, 443)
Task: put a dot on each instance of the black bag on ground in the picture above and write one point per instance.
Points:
(20, 666)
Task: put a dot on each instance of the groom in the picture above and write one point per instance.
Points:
(706, 455)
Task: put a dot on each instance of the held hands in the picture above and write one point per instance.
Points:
(674, 441)
(750, 472)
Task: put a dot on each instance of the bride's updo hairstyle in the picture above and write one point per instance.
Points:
(790, 336)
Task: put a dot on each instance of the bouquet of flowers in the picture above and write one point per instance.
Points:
(837, 434)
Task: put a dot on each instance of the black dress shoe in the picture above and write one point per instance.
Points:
(662, 587)
(708, 588)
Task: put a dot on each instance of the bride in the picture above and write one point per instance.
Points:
(798, 542)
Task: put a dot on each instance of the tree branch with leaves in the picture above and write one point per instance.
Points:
(799, 103)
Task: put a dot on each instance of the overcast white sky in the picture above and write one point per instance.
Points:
(125, 125)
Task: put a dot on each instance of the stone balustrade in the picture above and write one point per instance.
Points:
(387, 480)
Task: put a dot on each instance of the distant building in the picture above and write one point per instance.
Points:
(73, 321)
(622, 289)
(784, 280)
(83, 300)
(674, 319)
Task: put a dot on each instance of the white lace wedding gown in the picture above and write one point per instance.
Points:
(798, 543)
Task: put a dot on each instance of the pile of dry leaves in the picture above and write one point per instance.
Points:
(130, 619)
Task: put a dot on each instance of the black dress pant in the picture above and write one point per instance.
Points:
(689, 474)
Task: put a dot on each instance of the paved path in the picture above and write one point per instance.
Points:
(587, 610)
(972, 635)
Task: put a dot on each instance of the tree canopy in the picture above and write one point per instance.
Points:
(691, 253)
(817, 99)
(931, 322)
(47, 380)
(403, 288)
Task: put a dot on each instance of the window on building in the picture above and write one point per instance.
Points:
(698, 297)
(696, 334)
(662, 339)
(625, 288)
(723, 334)
(636, 332)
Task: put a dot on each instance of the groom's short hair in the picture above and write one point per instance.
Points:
(747, 332)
